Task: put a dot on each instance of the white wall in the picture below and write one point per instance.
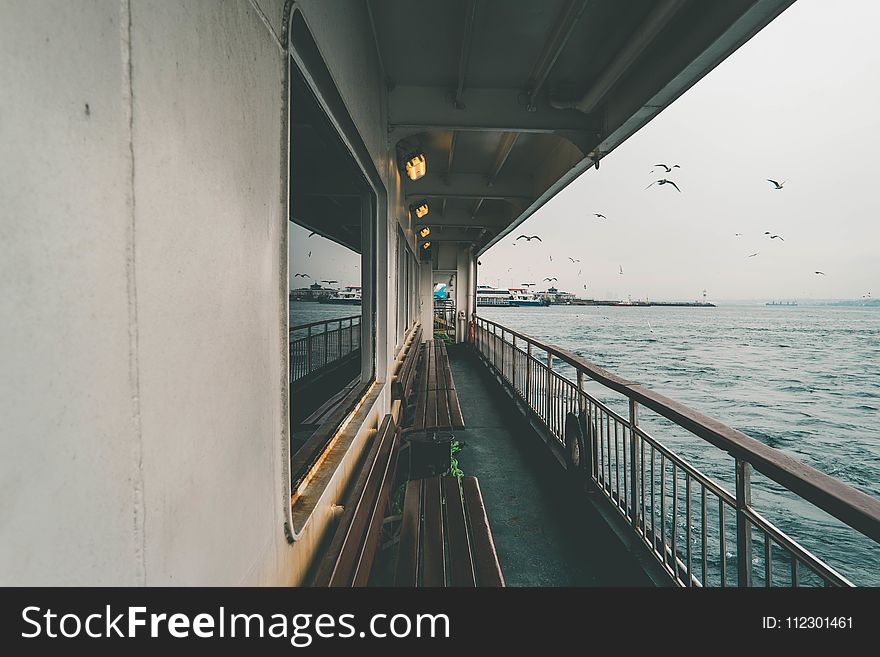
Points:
(209, 221)
(143, 289)
(70, 432)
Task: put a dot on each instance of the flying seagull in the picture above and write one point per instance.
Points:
(667, 167)
(774, 237)
(310, 254)
(778, 185)
(737, 235)
(303, 275)
(551, 279)
(573, 259)
(480, 263)
(330, 282)
(663, 181)
(314, 232)
(821, 273)
(621, 269)
(529, 238)
(754, 254)
(579, 271)
(600, 215)
(551, 258)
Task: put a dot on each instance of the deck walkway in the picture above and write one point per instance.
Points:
(545, 534)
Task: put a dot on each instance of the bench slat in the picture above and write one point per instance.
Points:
(443, 418)
(431, 410)
(422, 396)
(432, 552)
(432, 367)
(336, 567)
(364, 563)
(486, 565)
(456, 419)
(440, 359)
(410, 532)
(460, 564)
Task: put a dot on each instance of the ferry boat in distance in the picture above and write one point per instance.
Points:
(521, 297)
(350, 296)
(505, 297)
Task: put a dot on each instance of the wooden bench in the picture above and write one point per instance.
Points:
(402, 382)
(348, 559)
(436, 405)
(445, 538)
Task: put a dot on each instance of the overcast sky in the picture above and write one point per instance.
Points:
(799, 103)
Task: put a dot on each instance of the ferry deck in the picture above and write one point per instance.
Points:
(170, 423)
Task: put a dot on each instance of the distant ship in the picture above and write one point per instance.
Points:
(507, 297)
(350, 296)
(781, 303)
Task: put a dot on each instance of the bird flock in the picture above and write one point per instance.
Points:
(667, 170)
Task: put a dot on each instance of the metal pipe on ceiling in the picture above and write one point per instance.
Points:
(451, 153)
(468, 33)
(560, 33)
(508, 141)
(644, 35)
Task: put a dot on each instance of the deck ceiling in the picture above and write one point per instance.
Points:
(512, 99)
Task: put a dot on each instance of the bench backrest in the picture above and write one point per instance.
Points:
(402, 384)
(349, 557)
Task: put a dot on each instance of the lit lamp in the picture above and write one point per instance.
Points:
(415, 165)
(426, 246)
(420, 209)
(424, 232)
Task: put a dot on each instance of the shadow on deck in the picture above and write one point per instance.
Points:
(546, 533)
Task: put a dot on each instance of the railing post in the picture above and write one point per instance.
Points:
(326, 342)
(633, 463)
(502, 353)
(513, 364)
(743, 526)
(309, 351)
(529, 374)
(549, 374)
(587, 434)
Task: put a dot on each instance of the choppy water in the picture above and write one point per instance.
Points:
(805, 380)
(306, 312)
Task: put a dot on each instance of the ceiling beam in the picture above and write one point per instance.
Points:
(477, 205)
(412, 110)
(505, 146)
(451, 154)
(494, 218)
(554, 45)
(468, 185)
(470, 13)
(660, 16)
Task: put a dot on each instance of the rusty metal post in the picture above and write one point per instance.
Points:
(513, 364)
(309, 351)
(529, 374)
(743, 526)
(633, 463)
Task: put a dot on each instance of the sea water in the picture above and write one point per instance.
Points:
(804, 380)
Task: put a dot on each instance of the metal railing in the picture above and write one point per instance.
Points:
(700, 532)
(444, 317)
(316, 345)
